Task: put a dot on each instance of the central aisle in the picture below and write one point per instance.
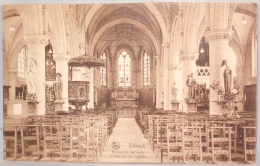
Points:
(128, 145)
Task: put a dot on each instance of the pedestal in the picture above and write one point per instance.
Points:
(32, 107)
(175, 105)
(191, 106)
(58, 105)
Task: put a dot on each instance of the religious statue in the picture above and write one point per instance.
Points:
(31, 74)
(191, 83)
(58, 87)
(174, 90)
(50, 64)
(225, 77)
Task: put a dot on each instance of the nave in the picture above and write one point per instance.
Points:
(94, 82)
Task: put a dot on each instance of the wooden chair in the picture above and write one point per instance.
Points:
(250, 144)
(10, 140)
(52, 143)
(192, 144)
(174, 143)
(221, 144)
(81, 148)
(30, 143)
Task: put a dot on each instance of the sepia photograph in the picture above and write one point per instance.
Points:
(130, 83)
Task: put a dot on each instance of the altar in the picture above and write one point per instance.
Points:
(126, 101)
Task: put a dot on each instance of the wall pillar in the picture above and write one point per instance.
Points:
(166, 92)
(36, 57)
(12, 75)
(240, 76)
(189, 66)
(218, 51)
(158, 89)
(62, 68)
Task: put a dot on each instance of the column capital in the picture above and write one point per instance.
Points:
(219, 34)
(189, 56)
(61, 57)
(174, 67)
(166, 45)
(35, 39)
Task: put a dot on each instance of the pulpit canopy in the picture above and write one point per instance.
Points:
(86, 61)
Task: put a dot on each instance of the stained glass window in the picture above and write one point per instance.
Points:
(146, 69)
(103, 71)
(21, 63)
(124, 70)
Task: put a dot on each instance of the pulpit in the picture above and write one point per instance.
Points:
(78, 94)
(79, 89)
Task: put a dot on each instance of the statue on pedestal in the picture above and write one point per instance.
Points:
(31, 76)
(58, 87)
(174, 92)
(191, 83)
(225, 79)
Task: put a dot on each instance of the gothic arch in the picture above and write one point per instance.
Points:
(57, 20)
(13, 58)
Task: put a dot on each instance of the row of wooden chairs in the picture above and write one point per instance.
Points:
(76, 138)
(217, 140)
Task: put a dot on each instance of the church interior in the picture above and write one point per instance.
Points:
(130, 83)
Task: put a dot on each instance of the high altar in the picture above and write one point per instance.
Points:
(126, 100)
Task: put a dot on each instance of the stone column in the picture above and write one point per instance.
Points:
(62, 68)
(12, 75)
(240, 76)
(36, 53)
(189, 66)
(158, 89)
(218, 50)
(166, 101)
(91, 89)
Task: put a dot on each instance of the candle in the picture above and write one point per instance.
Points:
(245, 96)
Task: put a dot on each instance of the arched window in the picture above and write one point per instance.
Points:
(124, 70)
(146, 69)
(103, 71)
(21, 63)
